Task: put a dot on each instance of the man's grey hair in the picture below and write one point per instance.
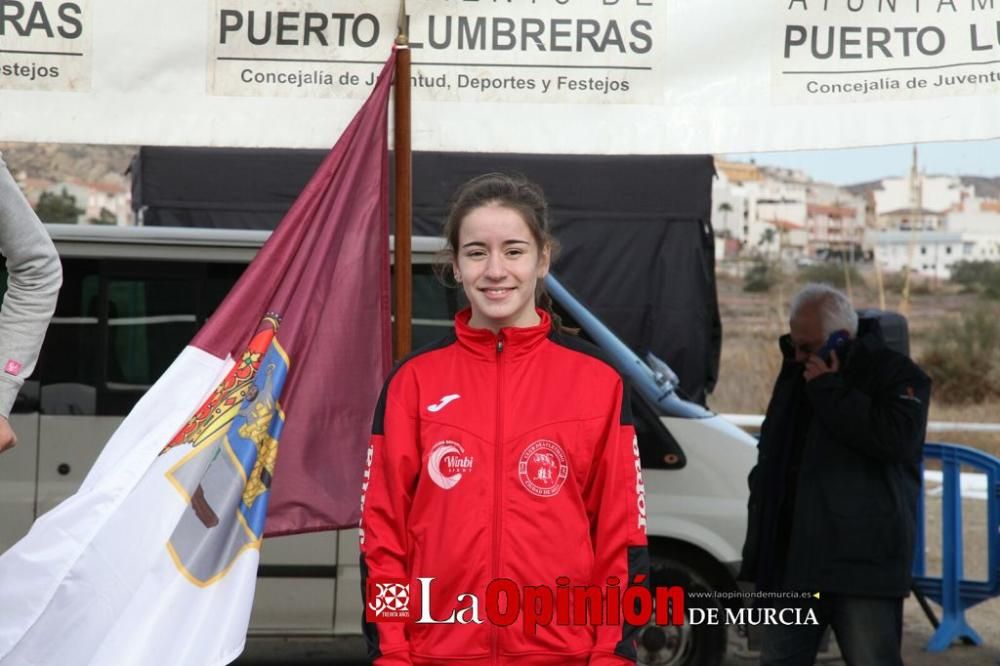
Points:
(835, 309)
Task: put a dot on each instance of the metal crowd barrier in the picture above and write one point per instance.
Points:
(951, 589)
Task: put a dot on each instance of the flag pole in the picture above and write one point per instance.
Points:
(402, 337)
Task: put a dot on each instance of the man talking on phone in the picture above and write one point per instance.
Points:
(833, 497)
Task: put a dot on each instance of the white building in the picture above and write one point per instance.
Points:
(729, 204)
(776, 211)
(789, 241)
(835, 229)
(763, 209)
(903, 204)
(933, 253)
(97, 198)
(968, 232)
(976, 217)
(930, 253)
(835, 220)
(780, 222)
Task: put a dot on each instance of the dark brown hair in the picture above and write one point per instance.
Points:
(512, 191)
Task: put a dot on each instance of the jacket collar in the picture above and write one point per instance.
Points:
(787, 349)
(870, 340)
(517, 341)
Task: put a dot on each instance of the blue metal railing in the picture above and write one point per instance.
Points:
(952, 590)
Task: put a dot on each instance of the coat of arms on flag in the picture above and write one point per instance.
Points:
(233, 441)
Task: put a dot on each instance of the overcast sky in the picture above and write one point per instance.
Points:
(855, 165)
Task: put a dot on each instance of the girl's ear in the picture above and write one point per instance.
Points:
(544, 261)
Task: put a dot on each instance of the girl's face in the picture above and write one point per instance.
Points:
(499, 264)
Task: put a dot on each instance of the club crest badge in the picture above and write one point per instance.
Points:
(543, 468)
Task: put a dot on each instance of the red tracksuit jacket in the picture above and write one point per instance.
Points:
(507, 455)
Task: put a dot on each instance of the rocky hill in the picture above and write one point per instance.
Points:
(986, 187)
(56, 161)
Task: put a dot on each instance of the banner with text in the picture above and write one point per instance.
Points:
(548, 76)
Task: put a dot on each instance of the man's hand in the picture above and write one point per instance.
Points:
(7, 437)
(816, 366)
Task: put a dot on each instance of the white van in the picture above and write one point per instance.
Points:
(133, 297)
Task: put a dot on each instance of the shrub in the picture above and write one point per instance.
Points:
(831, 273)
(963, 358)
(893, 283)
(979, 276)
(972, 273)
(761, 276)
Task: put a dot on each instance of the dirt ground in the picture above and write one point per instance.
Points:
(750, 361)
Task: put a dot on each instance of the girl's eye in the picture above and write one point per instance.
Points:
(514, 253)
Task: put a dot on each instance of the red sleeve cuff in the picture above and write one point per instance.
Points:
(394, 659)
(608, 659)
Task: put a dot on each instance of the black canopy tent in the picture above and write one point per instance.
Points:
(635, 231)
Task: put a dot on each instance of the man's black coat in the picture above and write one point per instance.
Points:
(850, 527)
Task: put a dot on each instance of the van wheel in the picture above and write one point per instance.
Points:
(684, 645)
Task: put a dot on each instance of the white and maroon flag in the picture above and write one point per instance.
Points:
(259, 427)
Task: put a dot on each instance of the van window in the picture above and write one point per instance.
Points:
(120, 323)
(434, 306)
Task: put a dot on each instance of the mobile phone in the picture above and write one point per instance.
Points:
(835, 342)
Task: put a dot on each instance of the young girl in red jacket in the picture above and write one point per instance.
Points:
(502, 514)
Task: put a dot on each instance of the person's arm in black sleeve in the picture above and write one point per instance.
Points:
(889, 424)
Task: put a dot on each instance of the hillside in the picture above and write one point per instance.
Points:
(986, 187)
(54, 161)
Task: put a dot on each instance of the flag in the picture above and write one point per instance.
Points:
(259, 426)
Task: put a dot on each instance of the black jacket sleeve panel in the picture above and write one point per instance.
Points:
(393, 466)
(615, 503)
(888, 422)
(776, 413)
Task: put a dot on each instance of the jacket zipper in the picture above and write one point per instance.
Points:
(497, 481)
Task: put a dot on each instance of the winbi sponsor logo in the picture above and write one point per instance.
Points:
(446, 464)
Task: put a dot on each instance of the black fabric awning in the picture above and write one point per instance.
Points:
(635, 231)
